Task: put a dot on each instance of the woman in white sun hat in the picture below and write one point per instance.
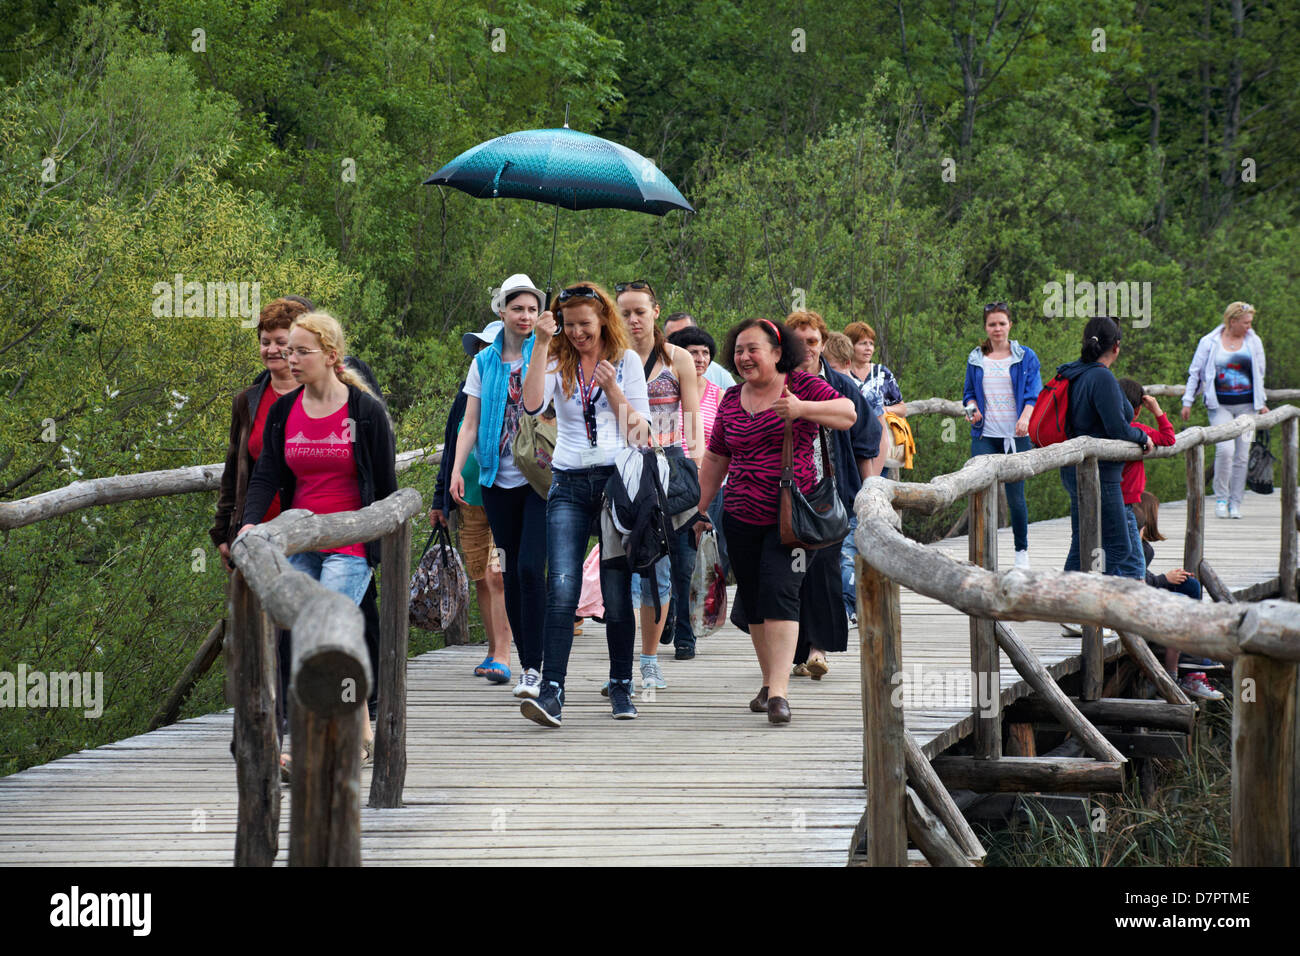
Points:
(516, 513)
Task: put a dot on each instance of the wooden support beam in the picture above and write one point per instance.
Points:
(389, 775)
(1022, 774)
(883, 759)
(1145, 658)
(203, 659)
(1151, 744)
(929, 835)
(1029, 667)
(1213, 584)
(1092, 558)
(1263, 760)
(922, 778)
(256, 743)
(1000, 808)
(1122, 711)
(984, 660)
(325, 826)
(1194, 536)
(1020, 739)
(1287, 558)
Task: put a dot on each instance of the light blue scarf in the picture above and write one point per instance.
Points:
(494, 384)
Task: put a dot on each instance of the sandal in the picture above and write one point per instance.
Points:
(482, 668)
(368, 753)
(818, 668)
(286, 765)
(496, 672)
(800, 670)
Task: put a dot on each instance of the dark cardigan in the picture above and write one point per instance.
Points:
(373, 450)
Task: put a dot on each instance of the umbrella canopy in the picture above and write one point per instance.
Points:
(565, 168)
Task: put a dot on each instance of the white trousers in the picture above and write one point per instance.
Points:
(1231, 457)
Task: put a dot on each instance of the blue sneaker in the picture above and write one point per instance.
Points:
(545, 710)
(620, 700)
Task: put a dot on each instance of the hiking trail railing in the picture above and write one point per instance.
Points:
(908, 794)
(330, 671)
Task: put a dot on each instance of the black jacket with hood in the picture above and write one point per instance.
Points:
(1099, 409)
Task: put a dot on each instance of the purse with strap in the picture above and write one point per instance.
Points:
(815, 520)
(1259, 468)
(533, 450)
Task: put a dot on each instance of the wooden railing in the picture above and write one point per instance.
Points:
(1261, 637)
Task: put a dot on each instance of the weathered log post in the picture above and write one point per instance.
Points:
(257, 750)
(984, 660)
(883, 750)
(330, 683)
(1287, 562)
(1194, 537)
(1092, 557)
(1263, 753)
(390, 724)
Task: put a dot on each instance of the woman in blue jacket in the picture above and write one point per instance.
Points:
(1002, 384)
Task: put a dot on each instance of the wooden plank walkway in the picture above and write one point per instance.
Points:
(698, 779)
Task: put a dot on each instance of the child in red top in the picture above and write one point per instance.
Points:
(1133, 479)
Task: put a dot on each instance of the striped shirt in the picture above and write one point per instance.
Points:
(753, 443)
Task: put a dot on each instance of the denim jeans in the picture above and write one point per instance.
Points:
(1232, 456)
(1015, 489)
(517, 517)
(683, 568)
(1114, 525)
(572, 515)
(1135, 562)
(347, 574)
(715, 517)
(848, 551)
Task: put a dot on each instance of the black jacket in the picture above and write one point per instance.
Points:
(373, 449)
(1099, 409)
(442, 499)
(860, 441)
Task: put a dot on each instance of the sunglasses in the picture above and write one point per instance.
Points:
(578, 292)
(636, 285)
(996, 307)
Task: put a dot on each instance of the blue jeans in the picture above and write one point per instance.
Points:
(644, 586)
(517, 517)
(848, 551)
(715, 517)
(572, 515)
(1190, 588)
(1135, 563)
(347, 574)
(1114, 526)
(1015, 489)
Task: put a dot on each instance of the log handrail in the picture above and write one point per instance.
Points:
(954, 409)
(1262, 638)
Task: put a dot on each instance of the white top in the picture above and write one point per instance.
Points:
(571, 429)
(719, 376)
(999, 398)
(508, 473)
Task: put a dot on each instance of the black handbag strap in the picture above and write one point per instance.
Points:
(787, 454)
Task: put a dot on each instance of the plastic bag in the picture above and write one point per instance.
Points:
(708, 588)
(439, 587)
(590, 601)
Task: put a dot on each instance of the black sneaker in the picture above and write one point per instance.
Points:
(620, 700)
(545, 710)
(1188, 663)
(684, 654)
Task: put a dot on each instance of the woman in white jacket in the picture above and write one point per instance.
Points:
(1228, 370)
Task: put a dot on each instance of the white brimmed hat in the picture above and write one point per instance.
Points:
(487, 337)
(516, 283)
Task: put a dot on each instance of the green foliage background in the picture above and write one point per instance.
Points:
(812, 139)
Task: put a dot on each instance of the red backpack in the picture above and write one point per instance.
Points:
(1050, 422)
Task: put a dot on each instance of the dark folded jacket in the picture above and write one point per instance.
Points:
(860, 441)
(373, 450)
(442, 499)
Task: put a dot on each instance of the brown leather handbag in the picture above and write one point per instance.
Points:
(818, 519)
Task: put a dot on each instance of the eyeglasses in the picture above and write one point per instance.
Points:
(300, 352)
(636, 285)
(996, 307)
(578, 292)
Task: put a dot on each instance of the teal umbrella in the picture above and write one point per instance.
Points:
(562, 167)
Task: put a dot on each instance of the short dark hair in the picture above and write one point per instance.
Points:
(1132, 390)
(517, 293)
(694, 335)
(1100, 335)
(678, 317)
(793, 351)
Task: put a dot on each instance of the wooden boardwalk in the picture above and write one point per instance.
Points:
(698, 779)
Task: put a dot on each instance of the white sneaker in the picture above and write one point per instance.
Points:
(1234, 510)
(1022, 559)
(1220, 509)
(530, 685)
